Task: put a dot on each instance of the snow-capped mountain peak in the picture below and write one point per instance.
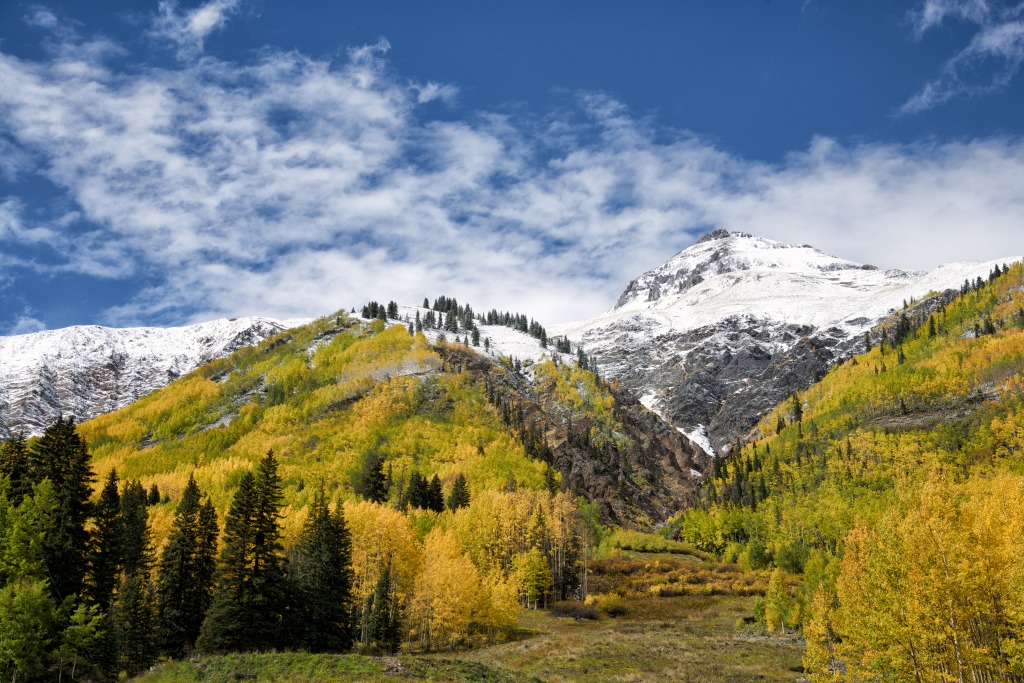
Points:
(84, 371)
(736, 314)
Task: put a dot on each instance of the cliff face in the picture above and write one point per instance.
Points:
(640, 477)
(87, 371)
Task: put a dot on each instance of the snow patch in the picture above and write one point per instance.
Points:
(699, 436)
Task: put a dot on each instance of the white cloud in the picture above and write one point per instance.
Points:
(189, 30)
(291, 186)
(26, 324)
(986, 65)
(931, 13)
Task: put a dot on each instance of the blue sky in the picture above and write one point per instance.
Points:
(163, 163)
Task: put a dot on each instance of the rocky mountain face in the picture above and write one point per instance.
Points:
(86, 371)
(638, 483)
(734, 324)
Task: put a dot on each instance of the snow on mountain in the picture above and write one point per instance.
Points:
(505, 342)
(733, 324)
(86, 371)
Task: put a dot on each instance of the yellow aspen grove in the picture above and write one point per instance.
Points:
(932, 592)
(448, 598)
(381, 537)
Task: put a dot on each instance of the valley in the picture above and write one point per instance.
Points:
(521, 503)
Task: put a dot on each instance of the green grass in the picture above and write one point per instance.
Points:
(298, 667)
(685, 638)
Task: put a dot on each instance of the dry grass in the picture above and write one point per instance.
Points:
(685, 638)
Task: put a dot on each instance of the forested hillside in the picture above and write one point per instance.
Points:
(349, 482)
(895, 486)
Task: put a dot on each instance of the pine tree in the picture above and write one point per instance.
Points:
(370, 481)
(385, 626)
(459, 497)
(325, 579)
(60, 455)
(136, 540)
(105, 546)
(416, 494)
(135, 625)
(252, 591)
(435, 495)
(185, 579)
(154, 495)
(14, 464)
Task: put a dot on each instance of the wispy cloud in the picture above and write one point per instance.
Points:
(290, 186)
(188, 30)
(26, 324)
(986, 65)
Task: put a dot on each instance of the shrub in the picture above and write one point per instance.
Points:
(612, 605)
(575, 609)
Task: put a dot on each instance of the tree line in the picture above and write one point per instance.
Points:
(83, 596)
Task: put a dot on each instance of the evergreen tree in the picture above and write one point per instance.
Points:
(459, 497)
(135, 625)
(370, 481)
(14, 464)
(60, 456)
(416, 494)
(136, 540)
(185, 578)
(105, 546)
(435, 495)
(252, 592)
(385, 627)
(154, 495)
(325, 579)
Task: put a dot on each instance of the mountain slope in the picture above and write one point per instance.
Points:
(333, 396)
(894, 485)
(86, 371)
(729, 327)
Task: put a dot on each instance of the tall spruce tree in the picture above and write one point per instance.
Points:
(435, 495)
(175, 575)
(184, 588)
(60, 455)
(136, 539)
(385, 626)
(135, 625)
(459, 497)
(105, 546)
(325, 579)
(14, 465)
(252, 589)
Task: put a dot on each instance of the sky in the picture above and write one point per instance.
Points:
(163, 163)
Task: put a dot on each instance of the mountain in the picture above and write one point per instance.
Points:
(731, 326)
(86, 371)
(338, 394)
(894, 485)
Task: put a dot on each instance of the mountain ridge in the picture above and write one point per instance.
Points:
(87, 370)
(737, 313)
